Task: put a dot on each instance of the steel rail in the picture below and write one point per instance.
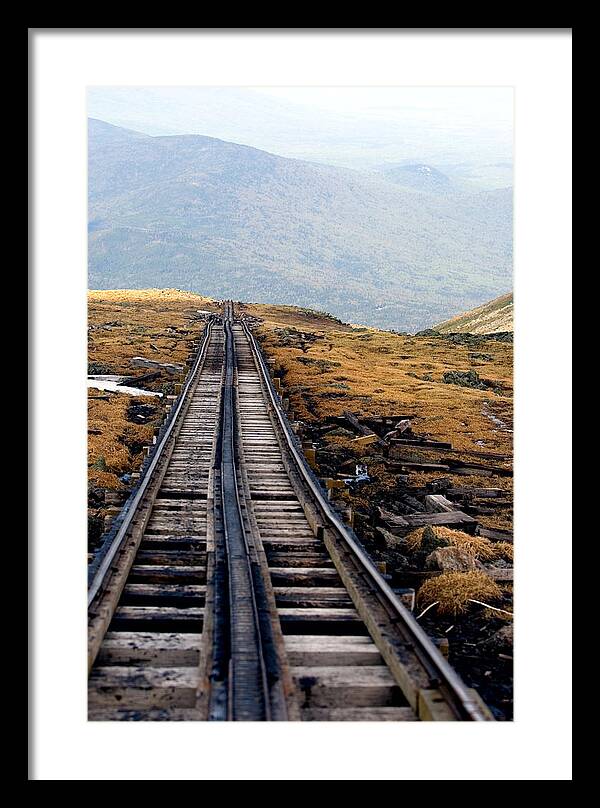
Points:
(247, 653)
(101, 573)
(464, 705)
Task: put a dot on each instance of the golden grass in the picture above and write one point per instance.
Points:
(505, 550)
(492, 614)
(453, 590)
(414, 540)
(157, 323)
(475, 546)
(378, 367)
(397, 374)
(108, 440)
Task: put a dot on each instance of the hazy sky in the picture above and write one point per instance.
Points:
(489, 106)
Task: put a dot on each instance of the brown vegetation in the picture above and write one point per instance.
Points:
(452, 591)
(475, 546)
(328, 367)
(157, 323)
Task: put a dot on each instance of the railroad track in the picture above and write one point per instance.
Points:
(230, 589)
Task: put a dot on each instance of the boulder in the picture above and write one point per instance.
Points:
(431, 541)
(391, 542)
(451, 559)
(501, 641)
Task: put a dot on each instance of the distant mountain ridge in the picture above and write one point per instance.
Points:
(208, 215)
(491, 318)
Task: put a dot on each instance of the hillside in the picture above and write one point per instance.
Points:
(326, 367)
(492, 317)
(232, 221)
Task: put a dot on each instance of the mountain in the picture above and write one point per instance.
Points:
(497, 315)
(225, 219)
(351, 127)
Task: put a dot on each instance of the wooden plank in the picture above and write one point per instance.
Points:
(331, 483)
(501, 573)
(142, 686)
(358, 714)
(388, 419)
(453, 519)
(436, 503)
(433, 706)
(310, 614)
(456, 519)
(135, 381)
(157, 618)
(496, 534)
(488, 455)
(142, 362)
(326, 650)
(426, 444)
(172, 558)
(299, 560)
(391, 518)
(147, 714)
(366, 440)
(496, 573)
(353, 420)
(403, 664)
(414, 466)
(164, 573)
(337, 686)
(475, 492)
(441, 484)
(289, 544)
(312, 596)
(162, 650)
(311, 576)
(460, 467)
(367, 436)
(166, 592)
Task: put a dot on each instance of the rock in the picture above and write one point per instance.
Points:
(440, 485)
(340, 432)
(431, 541)
(451, 559)
(501, 641)
(391, 542)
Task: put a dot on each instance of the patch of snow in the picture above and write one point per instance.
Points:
(113, 386)
(495, 420)
(105, 378)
